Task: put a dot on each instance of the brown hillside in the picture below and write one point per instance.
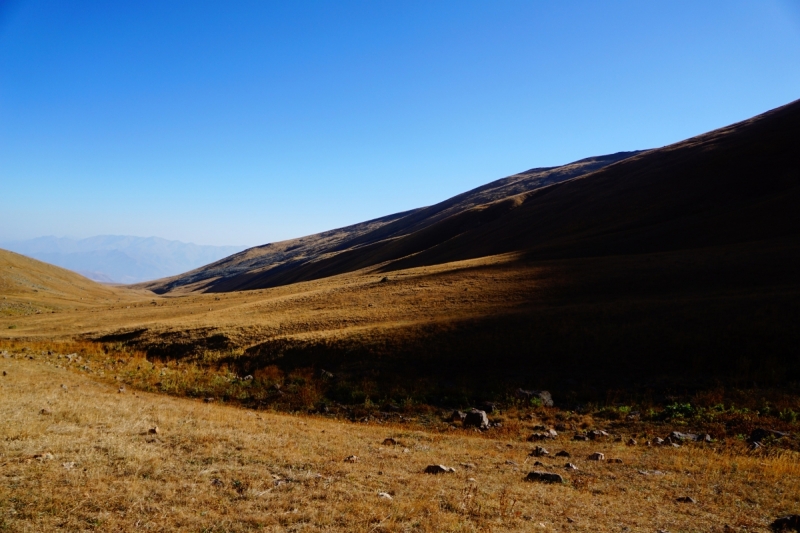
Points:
(331, 252)
(737, 184)
(29, 286)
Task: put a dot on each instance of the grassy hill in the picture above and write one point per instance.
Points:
(332, 252)
(657, 276)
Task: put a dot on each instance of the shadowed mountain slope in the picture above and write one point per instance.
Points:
(736, 184)
(319, 255)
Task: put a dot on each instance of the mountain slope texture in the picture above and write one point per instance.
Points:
(733, 185)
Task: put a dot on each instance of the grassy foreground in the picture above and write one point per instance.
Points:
(89, 462)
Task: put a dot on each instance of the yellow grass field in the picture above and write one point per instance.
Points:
(77, 455)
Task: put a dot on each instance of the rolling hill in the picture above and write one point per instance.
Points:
(668, 270)
(733, 185)
(121, 258)
(309, 257)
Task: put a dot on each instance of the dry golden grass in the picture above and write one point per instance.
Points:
(282, 473)
(338, 306)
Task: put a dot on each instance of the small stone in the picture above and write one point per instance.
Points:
(545, 477)
(631, 442)
(153, 430)
(615, 460)
(786, 523)
(658, 441)
(539, 452)
(457, 416)
(121, 390)
(686, 499)
(385, 495)
(580, 437)
(44, 456)
(563, 453)
(208, 400)
(570, 466)
(69, 466)
(389, 441)
(468, 466)
(476, 418)
(351, 459)
(247, 378)
(46, 412)
(438, 469)
(596, 456)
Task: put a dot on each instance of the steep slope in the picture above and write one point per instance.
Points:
(279, 263)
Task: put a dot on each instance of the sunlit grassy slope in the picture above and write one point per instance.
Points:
(77, 455)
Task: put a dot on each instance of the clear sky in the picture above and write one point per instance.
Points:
(250, 122)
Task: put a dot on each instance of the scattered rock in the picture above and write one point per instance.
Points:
(579, 436)
(563, 453)
(121, 390)
(651, 472)
(677, 436)
(439, 469)
(539, 452)
(208, 400)
(786, 523)
(570, 466)
(46, 412)
(542, 395)
(217, 482)
(468, 466)
(385, 495)
(247, 378)
(69, 466)
(351, 459)
(510, 462)
(760, 434)
(538, 436)
(597, 434)
(153, 430)
(63, 386)
(324, 374)
(544, 477)
(489, 407)
(44, 456)
(686, 499)
(658, 441)
(596, 456)
(476, 418)
(631, 442)
(389, 441)
(457, 416)
(615, 460)
(538, 463)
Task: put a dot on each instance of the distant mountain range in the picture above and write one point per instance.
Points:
(121, 258)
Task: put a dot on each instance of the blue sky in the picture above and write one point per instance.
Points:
(252, 122)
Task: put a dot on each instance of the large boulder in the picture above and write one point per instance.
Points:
(476, 418)
(544, 396)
